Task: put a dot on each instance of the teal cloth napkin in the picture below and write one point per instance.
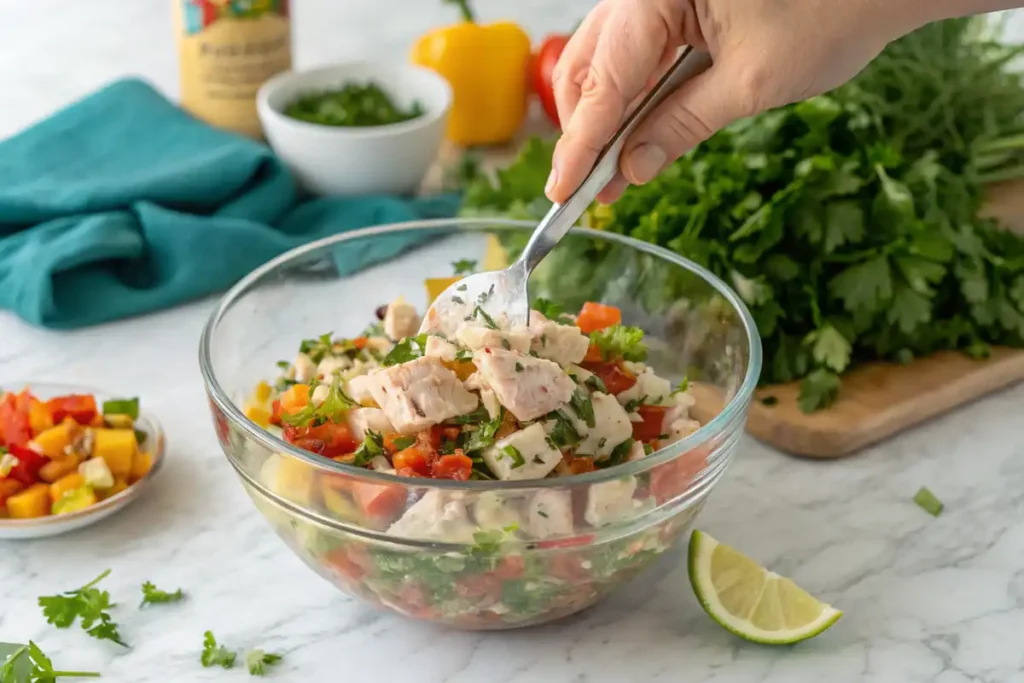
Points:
(122, 204)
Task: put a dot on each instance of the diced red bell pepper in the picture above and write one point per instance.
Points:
(415, 457)
(15, 426)
(650, 429)
(456, 466)
(615, 377)
(79, 407)
(336, 437)
(29, 464)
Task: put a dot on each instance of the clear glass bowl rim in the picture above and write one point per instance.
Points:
(712, 428)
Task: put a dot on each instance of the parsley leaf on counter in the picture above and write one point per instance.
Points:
(257, 661)
(28, 664)
(89, 605)
(214, 654)
(151, 595)
(620, 340)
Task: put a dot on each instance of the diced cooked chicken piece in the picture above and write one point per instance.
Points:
(611, 427)
(363, 420)
(475, 382)
(379, 344)
(320, 394)
(401, 319)
(435, 517)
(475, 336)
(420, 393)
(333, 365)
(677, 423)
(563, 344)
(491, 402)
(549, 513)
(649, 389)
(305, 368)
(358, 388)
(610, 501)
(680, 429)
(529, 387)
(497, 510)
(636, 452)
(440, 348)
(526, 454)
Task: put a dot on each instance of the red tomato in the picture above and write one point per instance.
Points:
(415, 458)
(15, 428)
(673, 478)
(615, 377)
(342, 562)
(455, 466)
(649, 430)
(510, 567)
(479, 586)
(543, 68)
(407, 472)
(586, 539)
(594, 316)
(381, 501)
(360, 342)
(579, 465)
(29, 463)
(430, 438)
(80, 408)
(275, 412)
(568, 566)
(336, 438)
(312, 445)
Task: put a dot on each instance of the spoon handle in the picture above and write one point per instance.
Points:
(561, 217)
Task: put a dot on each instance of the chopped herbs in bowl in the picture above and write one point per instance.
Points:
(470, 471)
(354, 105)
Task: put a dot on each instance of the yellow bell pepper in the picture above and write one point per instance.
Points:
(487, 67)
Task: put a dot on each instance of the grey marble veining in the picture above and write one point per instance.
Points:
(926, 599)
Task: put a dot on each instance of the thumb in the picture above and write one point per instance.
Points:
(701, 107)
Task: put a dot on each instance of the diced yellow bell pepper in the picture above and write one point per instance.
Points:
(141, 464)
(437, 285)
(120, 484)
(262, 392)
(75, 500)
(54, 440)
(39, 417)
(32, 502)
(59, 467)
(117, 447)
(259, 415)
(65, 484)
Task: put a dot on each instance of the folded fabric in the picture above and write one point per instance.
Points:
(123, 204)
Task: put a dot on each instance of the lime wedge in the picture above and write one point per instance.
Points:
(751, 601)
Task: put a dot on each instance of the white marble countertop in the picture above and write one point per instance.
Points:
(925, 599)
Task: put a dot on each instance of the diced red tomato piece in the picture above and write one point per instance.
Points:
(615, 377)
(430, 438)
(407, 472)
(594, 316)
(568, 566)
(593, 354)
(479, 586)
(673, 478)
(381, 501)
(312, 445)
(275, 412)
(15, 427)
(79, 407)
(510, 567)
(579, 465)
(650, 429)
(360, 342)
(586, 539)
(341, 561)
(456, 466)
(336, 438)
(415, 457)
(29, 464)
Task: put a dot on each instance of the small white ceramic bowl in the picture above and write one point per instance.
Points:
(336, 160)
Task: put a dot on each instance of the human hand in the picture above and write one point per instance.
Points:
(766, 53)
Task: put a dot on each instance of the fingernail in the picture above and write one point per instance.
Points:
(645, 162)
(552, 181)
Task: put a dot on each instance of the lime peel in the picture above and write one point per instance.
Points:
(726, 582)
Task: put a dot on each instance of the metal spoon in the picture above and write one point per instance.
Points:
(488, 297)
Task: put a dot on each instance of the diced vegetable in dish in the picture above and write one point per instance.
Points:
(66, 454)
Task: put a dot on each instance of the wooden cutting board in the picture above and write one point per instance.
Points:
(877, 400)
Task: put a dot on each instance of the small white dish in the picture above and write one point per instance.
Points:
(336, 160)
(42, 527)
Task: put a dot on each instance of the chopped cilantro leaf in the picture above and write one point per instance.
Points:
(563, 434)
(478, 415)
(542, 514)
(403, 442)
(283, 364)
(549, 309)
(682, 388)
(464, 267)
(618, 455)
(335, 405)
(595, 383)
(151, 595)
(371, 447)
(769, 400)
(519, 366)
(214, 654)
(483, 436)
(583, 407)
(620, 341)
(463, 355)
(488, 542)
(458, 300)
(257, 661)
(633, 404)
(488, 320)
(818, 390)
(88, 604)
(462, 288)
(517, 457)
(406, 350)
(317, 349)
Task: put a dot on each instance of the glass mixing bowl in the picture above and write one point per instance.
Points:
(502, 573)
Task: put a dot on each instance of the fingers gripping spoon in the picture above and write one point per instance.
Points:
(502, 295)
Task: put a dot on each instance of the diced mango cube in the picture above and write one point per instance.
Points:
(141, 464)
(59, 467)
(39, 417)
(120, 484)
(117, 447)
(65, 484)
(259, 415)
(54, 440)
(262, 392)
(32, 502)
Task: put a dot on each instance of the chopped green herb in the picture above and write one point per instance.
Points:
(371, 447)
(519, 366)
(28, 664)
(335, 405)
(484, 296)
(458, 300)
(463, 355)
(403, 442)
(618, 455)
(517, 457)
(544, 339)
(488, 320)
(682, 388)
(594, 383)
(214, 654)
(620, 341)
(373, 330)
(151, 595)
(355, 105)
(563, 434)
(648, 449)
(542, 514)
(537, 460)
(483, 436)
(489, 542)
(583, 407)
(257, 661)
(602, 442)
(319, 348)
(549, 309)
(478, 415)
(505, 344)
(769, 400)
(462, 288)
(464, 267)
(283, 364)
(122, 406)
(927, 501)
(89, 605)
(633, 404)
(406, 350)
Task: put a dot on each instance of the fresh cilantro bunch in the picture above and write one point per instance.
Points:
(89, 605)
(849, 224)
(28, 664)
